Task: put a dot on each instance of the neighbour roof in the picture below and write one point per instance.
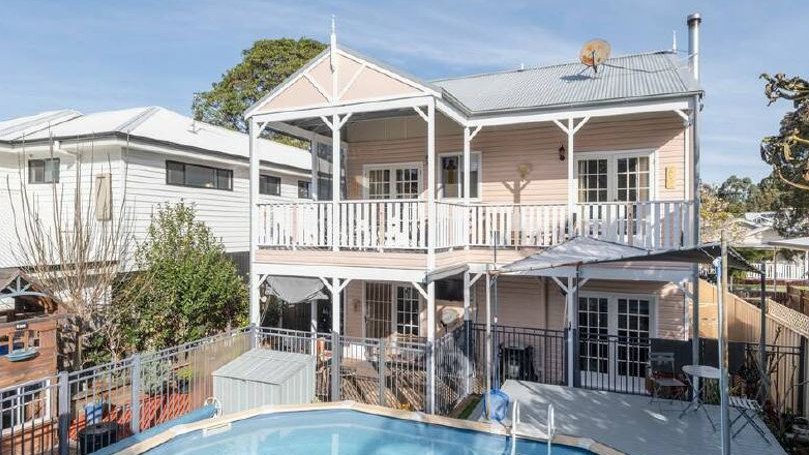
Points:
(150, 123)
(649, 75)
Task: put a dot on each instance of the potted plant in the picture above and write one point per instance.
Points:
(184, 377)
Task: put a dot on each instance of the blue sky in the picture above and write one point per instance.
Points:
(92, 56)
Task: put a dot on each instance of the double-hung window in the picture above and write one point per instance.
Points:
(269, 185)
(615, 177)
(43, 170)
(452, 175)
(198, 176)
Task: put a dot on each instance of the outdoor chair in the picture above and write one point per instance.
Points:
(748, 410)
(663, 378)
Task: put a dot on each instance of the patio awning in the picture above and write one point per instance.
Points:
(575, 252)
(604, 259)
(798, 243)
(294, 289)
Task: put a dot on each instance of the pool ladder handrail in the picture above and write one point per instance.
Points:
(515, 417)
(551, 426)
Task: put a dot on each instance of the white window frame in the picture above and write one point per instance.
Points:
(366, 168)
(612, 170)
(45, 389)
(475, 155)
(394, 315)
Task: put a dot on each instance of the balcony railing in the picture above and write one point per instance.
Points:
(402, 224)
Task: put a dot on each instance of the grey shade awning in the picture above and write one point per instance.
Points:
(294, 290)
(581, 252)
(575, 252)
(798, 243)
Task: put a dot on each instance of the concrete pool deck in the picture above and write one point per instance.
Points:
(630, 423)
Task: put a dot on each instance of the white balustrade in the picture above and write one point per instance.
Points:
(394, 224)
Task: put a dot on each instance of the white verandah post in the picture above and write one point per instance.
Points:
(431, 240)
(335, 181)
(255, 311)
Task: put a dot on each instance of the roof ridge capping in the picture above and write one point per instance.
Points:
(550, 65)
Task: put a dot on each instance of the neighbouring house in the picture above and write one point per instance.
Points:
(138, 157)
(443, 180)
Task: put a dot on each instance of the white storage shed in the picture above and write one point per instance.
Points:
(261, 377)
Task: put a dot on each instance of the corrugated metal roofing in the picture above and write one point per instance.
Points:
(618, 79)
(265, 366)
(154, 123)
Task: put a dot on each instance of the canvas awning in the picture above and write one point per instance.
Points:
(593, 256)
(798, 243)
(293, 289)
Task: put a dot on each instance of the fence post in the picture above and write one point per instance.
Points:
(802, 377)
(64, 412)
(467, 324)
(253, 336)
(574, 359)
(134, 403)
(382, 359)
(336, 354)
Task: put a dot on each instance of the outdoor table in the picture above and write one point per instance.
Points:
(702, 372)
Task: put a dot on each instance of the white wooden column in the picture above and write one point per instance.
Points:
(431, 240)
(570, 130)
(336, 315)
(571, 182)
(468, 136)
(313, 185)
(255, 310)
(335, 181)
(488, 334)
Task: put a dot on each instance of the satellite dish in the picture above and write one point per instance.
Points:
(594, 53)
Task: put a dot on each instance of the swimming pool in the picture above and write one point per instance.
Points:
(344, 432)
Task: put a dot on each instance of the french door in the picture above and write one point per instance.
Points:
(391, 308)
(614, 334)
(399, 181)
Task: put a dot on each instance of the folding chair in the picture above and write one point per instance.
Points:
(748, 409)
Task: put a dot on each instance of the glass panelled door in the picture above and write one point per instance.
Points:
(399, 221)
(614, 334)
(594, 331)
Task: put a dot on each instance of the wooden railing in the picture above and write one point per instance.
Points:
(402, 224)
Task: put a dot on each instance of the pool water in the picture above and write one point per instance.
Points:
(345, 432)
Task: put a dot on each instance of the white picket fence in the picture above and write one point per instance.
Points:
(402, 224)
(782, 271)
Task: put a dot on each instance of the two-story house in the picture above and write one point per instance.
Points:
(432, 183)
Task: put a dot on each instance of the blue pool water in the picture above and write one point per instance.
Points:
(344, 432)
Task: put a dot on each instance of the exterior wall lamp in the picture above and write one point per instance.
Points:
(562, 153)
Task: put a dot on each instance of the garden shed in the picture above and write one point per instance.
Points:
(261, 377)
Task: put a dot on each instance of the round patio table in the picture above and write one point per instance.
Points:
(703, 372)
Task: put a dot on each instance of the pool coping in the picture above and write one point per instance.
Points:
(491, 428)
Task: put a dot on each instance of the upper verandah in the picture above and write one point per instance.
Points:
(339, 77)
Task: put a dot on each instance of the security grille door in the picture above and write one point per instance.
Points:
(378, 322)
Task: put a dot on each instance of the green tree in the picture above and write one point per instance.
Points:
(737, 192)
(186, 287)
(263, 67)
(788, 154)
(716, 217)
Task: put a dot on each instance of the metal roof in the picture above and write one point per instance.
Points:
(619, 79)
(265, 366)
(154, 124)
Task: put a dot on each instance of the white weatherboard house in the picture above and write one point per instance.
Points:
(150, 156)
(434, 175)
